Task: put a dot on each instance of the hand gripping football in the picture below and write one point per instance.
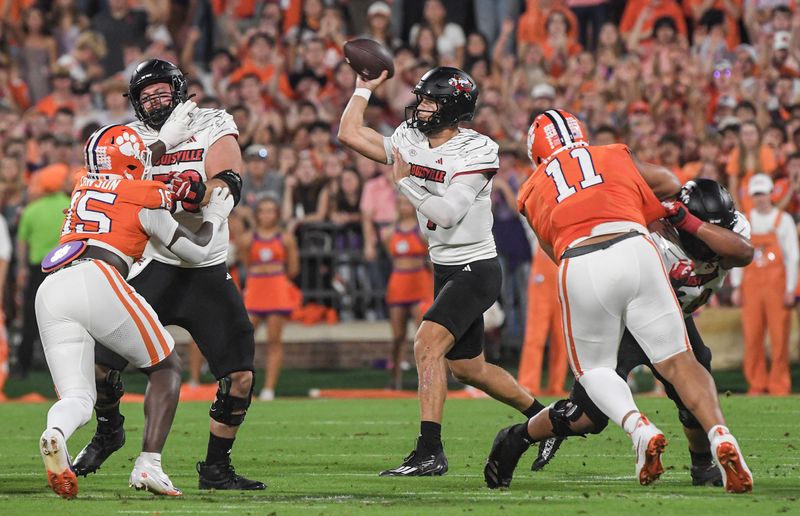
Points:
(368, 58)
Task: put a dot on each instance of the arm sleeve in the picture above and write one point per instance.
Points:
(448, 210)
(5, 240)
(160, 224)
(787, 235)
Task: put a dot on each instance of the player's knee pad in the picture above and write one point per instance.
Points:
(687, 419)
(564, 413)
(110, 389)
(227, 409)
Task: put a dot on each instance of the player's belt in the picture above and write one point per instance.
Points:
(573, 252)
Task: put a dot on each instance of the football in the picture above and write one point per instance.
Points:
(368, 58)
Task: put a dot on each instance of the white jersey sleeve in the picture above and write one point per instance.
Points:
(209, 125)
(158, 224)
(5, 240)
(693, 281)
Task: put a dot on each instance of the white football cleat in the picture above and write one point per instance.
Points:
(648, 443)
(736, 476)
(148, 476)
(60, 477)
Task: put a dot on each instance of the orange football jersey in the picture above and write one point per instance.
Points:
(107, 210)
(579, 188)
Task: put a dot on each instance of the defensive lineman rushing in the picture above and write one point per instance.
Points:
(115, 209)
(697, 267)
(446, 172)
(194, 150)
(589, 207)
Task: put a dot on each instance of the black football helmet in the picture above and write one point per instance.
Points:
(455, 93)
(710, 202)
(154, 71)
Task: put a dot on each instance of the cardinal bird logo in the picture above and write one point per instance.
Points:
(460, 84)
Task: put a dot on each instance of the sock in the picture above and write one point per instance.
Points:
(630, 424)
(151, 457)
(534, 409)
(430, 436)
(522, 431)
(700, 459)
(69, 414)
(609, 392)
(219, 449)
(109, 418)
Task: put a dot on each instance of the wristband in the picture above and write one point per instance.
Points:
(689, 223)
(364, 93)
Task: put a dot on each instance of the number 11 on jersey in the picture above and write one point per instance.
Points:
(590, 176)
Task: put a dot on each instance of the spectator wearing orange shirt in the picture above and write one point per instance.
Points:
(651, 10)
(709, 154)
(61, 96)
(731, 10)
(532, 25)
(750, 157)
(264, 60)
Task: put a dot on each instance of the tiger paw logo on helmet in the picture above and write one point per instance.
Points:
(117, 150)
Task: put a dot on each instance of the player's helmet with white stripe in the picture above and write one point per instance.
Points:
(710, 202)
(155, 71)
(456, 96)
(116, 151)
(553, 130)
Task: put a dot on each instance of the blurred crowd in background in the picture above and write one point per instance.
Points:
(708, 88)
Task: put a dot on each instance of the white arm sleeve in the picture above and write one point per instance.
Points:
(160, 224)
(787, 236)
(5, 240)
(448, 210)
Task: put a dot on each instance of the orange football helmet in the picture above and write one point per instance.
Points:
(551, 131)
(117, 151)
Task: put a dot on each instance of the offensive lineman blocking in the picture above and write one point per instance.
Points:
(446, 172)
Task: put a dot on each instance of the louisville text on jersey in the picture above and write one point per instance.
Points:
(430, 174)
(181, 156)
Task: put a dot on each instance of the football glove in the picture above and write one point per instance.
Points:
(177, 127)
(186, 187)
(220, 204)
(681, 218)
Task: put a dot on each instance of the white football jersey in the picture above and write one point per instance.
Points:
(694, 281)
(468, 152)
(209, 125)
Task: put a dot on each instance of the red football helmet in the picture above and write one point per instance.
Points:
(117, 150)
(553, 130)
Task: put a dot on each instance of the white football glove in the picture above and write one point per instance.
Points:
(177, 129)
(219, 206)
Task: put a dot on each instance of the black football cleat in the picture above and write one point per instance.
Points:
(223, 476)
(547, 450)
(706, 475)
(100, 448)
(420, 463)
(509, 445)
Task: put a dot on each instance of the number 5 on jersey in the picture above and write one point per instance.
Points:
(590, 175)
(80, 214)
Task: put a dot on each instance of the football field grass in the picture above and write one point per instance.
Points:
(323, 456)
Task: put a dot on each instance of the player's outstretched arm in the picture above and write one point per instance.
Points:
(352, 131)
(660, 179)
(734, 249)
(189, 246)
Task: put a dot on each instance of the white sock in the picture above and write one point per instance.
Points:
(610, 393)
(151, 457)
(69, 414)
(630, 422)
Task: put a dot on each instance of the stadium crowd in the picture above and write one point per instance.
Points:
(708, 88)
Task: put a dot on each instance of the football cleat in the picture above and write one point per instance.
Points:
(148, 476)
(60, 477)
(508, 446)
(736, 476)
(547, 450)
(649, 444)
(100, 448)
(223, 476)
(420, 463)
(706, 475)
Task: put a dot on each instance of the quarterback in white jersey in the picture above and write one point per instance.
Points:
(446, 172)
(696, 270)
(194, 151)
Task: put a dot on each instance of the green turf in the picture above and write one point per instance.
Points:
(321, 457)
